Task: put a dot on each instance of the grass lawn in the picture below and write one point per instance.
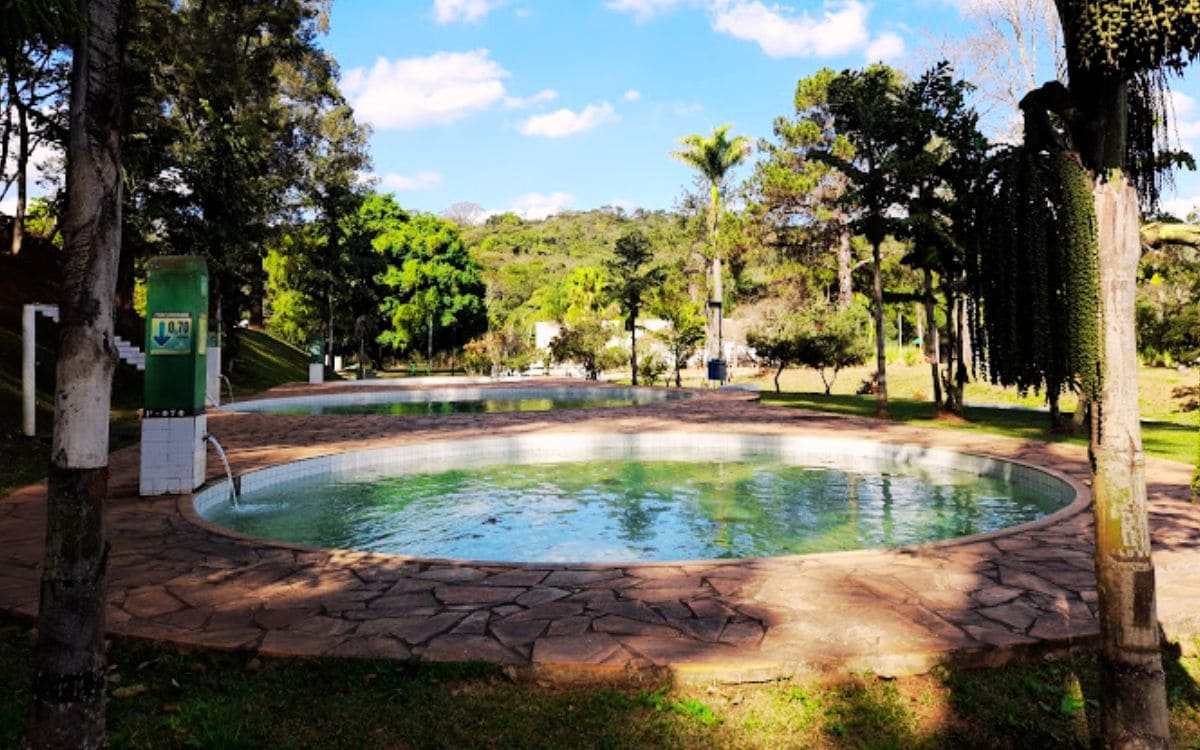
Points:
(1163, 439)
(1168, 432)
(161, 697)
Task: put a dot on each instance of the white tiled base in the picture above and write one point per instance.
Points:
(173, 455)
(316, 374)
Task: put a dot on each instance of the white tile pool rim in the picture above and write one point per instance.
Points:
(549, 448)
(460, 393)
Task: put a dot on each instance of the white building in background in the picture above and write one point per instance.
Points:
(735, 350)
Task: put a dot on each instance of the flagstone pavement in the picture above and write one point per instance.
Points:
(1027, 592)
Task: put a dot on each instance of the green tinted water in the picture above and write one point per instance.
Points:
(610, 511)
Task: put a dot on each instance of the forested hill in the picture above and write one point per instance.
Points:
(532, 267)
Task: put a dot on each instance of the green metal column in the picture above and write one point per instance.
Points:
(176, 336)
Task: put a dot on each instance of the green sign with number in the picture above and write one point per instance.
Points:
(176, 335)
(170, 333)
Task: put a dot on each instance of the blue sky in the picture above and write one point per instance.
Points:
(539, 105)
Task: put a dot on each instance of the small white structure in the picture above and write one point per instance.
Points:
(212, 376)
(173, 454)
(126, 351)
(316, 373)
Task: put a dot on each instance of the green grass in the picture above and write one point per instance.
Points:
(264, 361)
(1162, 392)
(161, 697)
(1163, 439)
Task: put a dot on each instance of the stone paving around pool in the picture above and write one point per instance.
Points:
(1015, 594)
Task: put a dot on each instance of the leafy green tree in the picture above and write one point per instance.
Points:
(497, 351)
(868, 112)
(33, 91)
(798, 197)
(818, 338)
(236, 133)
(670, 302)
(632, 279)
(585, 343)
(432, 282)
(713, 157)
(1168, 304)
(586, 293)
(651, 367)
(942, 175)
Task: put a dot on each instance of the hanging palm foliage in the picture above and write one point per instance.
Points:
(1035, 277)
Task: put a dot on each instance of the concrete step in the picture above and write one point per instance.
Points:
(130, 353)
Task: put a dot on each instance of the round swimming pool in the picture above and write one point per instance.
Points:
(458, 400)
(634, 497)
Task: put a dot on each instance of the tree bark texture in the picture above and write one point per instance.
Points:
(930, 340)
(22, 177)
(633, 363)
(68, 698)
(845, 259)
(1133, 688)
(881, 397)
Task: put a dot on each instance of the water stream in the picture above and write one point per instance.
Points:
(234, 495)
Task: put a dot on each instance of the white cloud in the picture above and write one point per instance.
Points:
(564, 122)
(417, 91)
(643, 10)
(536, 206)
(632, 95)
(1181, 207)
(449, 11)
(682, 109)
(886, 46)
(1181, 103)
(426, 180)
(522, 102)
(782, 33)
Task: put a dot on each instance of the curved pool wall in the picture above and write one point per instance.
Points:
(550, 448)
(459, 394)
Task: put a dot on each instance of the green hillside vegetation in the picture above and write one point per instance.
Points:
(528, 264)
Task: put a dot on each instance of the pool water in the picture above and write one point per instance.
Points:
(634, 510)
(484, 406)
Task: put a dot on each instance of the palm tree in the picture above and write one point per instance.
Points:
(713, 156)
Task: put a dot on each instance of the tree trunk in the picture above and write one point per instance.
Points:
(633, 347)
(931, 340)
(429, 346)
(1079, 417)
(716, 296)
(953, 378)
(18, 229)
(881, 397)
(777, 374)
(960, 353)
(1133, 688)
(844, 265)
(68, 694)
